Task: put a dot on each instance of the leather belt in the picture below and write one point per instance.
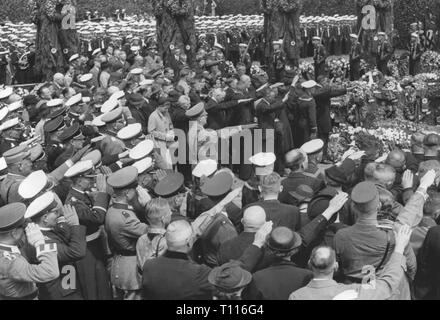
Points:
(93, 236)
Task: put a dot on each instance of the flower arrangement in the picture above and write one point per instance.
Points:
(178, 8)
(231, 67)
(430, 62)
(307, 69)
(256, 71)
(338, 67)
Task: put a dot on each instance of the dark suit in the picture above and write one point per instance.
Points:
(141, 115)
(277, 282)
(281, 214)
(174, 277)
(234, 248)
(218, 113)
(178, 117)
(428, 269)
(293, 181)
(323, 119)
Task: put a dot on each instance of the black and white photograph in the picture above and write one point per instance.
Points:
(211, 150)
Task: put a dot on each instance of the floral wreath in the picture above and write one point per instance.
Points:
(283, 5)
(177, 8)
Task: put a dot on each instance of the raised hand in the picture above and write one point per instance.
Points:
(263, 233)
(70, 214)
(34, 235)
(428, 179)
(101, 183)
(407, 179)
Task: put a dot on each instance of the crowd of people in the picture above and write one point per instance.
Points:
(93, 205)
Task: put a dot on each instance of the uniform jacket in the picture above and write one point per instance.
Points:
(123, 230)
(71, 244)
(18, 277)
(9, 188)
(304, 120)
(365, 244)
(355, 53)
(91, 213)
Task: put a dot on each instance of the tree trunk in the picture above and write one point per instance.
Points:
(175, 31)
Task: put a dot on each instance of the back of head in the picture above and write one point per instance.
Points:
(396, 159)
(384, 174)
(58, 78)
(296, 159)
(178, 235)
(417, 143)
(271, 183)
(365, 199)
(369, 171)
(157, 208)
(431, 143)
(322, 261)
(253, 218)
(432, 206)
(425, 166)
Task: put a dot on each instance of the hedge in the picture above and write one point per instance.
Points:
(405, 11)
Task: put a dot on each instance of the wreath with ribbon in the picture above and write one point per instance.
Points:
(282, 5)
(177, 8)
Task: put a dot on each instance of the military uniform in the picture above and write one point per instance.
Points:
(304, 120)
(123, 229)
(278, 63)
(18, 277)
(366, 244)
(415, 53)
(71, 249)
(94, 280)
(384, 54)
(319, 56)
(355, 58)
